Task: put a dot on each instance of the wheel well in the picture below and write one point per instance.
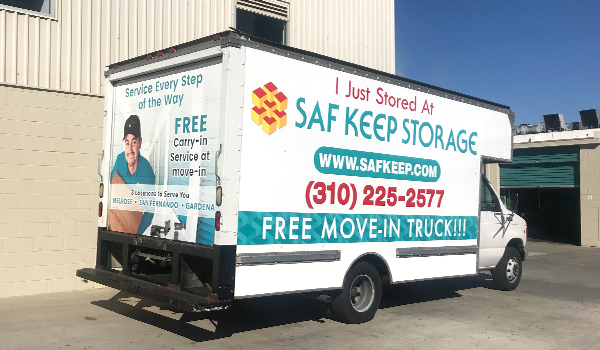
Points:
(518, 244)
(377, 261)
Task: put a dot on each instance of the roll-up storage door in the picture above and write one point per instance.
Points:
(544, 184)
(542, 167)
(272, 8)
(265, 19)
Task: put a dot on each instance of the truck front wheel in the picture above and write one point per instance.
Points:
(360, 295)
(507, 274)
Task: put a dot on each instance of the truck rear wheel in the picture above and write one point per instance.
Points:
(507, 274)
(361, 294)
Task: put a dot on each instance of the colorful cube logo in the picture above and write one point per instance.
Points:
(269, 108)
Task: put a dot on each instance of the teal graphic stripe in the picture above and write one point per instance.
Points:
(205, 231)
(339, 161)
(305, 228)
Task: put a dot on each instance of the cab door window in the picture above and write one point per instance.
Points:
(488, 201)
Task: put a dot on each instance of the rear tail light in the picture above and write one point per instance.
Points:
(101, 190)
(100, 207)
(218, 221)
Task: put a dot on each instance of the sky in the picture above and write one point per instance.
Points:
(538, 57)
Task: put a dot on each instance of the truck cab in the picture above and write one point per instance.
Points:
(502, 239)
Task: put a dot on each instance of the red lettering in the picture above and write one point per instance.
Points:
(425, 107)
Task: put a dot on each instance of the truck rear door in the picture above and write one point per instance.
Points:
(164, 138)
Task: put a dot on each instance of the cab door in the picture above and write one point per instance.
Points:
(494, 221)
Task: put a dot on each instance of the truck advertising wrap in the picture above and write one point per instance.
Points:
(353, 159)
(324, 176)
(164, 142)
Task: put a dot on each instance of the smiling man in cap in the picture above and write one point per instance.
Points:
(130, 165)
(133, 169)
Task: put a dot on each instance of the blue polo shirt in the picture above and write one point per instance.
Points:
(143, 175)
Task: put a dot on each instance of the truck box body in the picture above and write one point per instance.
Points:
(320, 164)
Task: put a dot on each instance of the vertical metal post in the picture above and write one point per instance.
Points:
(125, 263)
(176, 268)
(101, 253)
(224, 272)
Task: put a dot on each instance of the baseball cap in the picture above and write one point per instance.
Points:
(132, 126)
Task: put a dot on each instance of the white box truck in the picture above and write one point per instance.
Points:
(234, 168)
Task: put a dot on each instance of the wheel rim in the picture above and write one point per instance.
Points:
(512, 269)
(362, 293)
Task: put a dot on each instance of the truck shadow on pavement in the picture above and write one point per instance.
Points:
(265, 312)
(430, 290)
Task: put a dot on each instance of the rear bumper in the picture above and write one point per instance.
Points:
(194, 277)
(176, 298)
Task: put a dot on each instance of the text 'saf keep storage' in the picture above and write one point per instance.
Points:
(234, 168)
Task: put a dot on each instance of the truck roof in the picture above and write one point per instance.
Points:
(237, 38)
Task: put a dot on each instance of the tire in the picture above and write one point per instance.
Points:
(508, 271)
(360, 296)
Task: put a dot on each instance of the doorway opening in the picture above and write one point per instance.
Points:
(552, 214)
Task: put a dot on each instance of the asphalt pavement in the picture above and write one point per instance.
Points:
(556, 306)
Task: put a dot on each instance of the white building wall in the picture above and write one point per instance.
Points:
(51, 109)
(71, 51)
(357, 31)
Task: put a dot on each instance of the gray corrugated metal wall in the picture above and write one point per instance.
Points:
(71, 51)
(357, 31)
